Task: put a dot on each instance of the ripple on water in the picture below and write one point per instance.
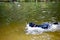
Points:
(41, 37)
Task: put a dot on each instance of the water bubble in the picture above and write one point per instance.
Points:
(19, 5)
(44, 11)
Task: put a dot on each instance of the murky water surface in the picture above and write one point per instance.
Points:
(14, 16)
(16, 32)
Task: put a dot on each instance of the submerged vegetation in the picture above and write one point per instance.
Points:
(22, 12)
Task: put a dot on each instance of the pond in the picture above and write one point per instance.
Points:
(14, 17)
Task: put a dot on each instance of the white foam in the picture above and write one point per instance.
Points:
(38, 30)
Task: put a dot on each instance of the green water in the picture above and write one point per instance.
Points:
(13, 19)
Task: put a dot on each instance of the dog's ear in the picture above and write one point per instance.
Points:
(55, 23)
